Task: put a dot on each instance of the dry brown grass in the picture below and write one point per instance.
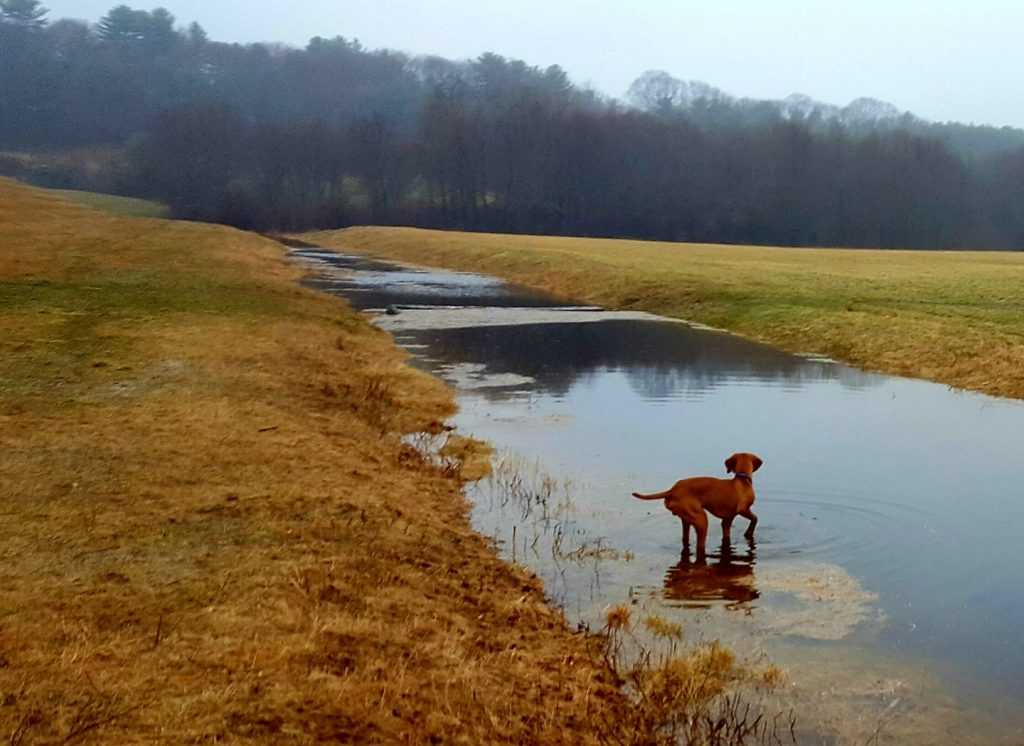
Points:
(212, 530)
(698, 695)
(953, 317)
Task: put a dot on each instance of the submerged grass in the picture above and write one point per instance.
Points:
(212, 528)
(952, 317)
(690, 698)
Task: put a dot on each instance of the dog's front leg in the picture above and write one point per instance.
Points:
(726, 528)
(749, 515)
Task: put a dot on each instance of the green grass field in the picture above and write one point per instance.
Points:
(953, 317)
(128, 207)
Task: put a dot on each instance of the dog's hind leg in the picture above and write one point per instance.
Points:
(700, 525)
(749, 515)
(686, 533)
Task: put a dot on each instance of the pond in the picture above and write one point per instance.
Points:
(883, 575)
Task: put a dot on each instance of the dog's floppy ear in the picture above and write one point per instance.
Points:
(757, 461)
(730, 464)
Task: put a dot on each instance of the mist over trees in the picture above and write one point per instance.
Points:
(270, 137)
(659, 92)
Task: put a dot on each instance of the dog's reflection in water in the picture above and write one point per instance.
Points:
(726, 575)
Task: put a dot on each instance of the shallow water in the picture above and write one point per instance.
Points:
(884, 574)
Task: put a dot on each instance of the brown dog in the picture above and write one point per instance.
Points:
(723, 498)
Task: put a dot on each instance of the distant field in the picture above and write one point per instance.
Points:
(123, 206)
(953, 317)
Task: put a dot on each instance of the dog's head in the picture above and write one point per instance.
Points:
(743, 463)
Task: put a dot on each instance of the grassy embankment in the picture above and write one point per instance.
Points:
(210, 529)
(953, 317)
(128, 207)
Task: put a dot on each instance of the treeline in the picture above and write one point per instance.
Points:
(72, 84)
(277, 138)
(713, 109)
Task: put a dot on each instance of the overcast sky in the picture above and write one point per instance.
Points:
(941, 59)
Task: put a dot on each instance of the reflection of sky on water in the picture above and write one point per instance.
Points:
(380, 284)
(660, 360)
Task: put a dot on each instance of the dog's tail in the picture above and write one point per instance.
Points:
(656, 496)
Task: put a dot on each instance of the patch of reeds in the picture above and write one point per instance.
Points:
(701, 695)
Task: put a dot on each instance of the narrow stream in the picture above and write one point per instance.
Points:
(884, 575)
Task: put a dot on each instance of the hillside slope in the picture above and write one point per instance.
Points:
(212, 530)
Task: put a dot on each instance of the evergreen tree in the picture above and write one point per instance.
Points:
(158, 30)
(197, 36)
(28, 14)
(122, 24)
